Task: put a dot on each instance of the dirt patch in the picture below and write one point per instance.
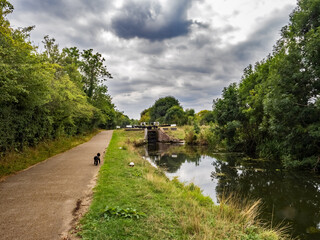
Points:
(78, 212)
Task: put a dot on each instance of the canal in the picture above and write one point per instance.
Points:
(288, 197)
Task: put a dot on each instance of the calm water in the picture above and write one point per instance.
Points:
(287, 197)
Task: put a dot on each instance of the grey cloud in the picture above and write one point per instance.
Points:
(204, 72)
(202, 40)
(182, 47)
(201, 24)
(71, 23)
(252, 49)
(149, 20)
(152, 48)
(127, 85)
(65, 9)
(199, 69)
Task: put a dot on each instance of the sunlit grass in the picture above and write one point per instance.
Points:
(172, 209)
(14, 161)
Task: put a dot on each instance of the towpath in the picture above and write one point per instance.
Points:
(42, 201)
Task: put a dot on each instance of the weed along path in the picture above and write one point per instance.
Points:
(42, 202)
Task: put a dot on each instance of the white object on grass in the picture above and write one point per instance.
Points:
(131, 164)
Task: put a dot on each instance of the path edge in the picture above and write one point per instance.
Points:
(83, 204)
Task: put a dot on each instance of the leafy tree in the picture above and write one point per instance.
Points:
(42, 95)
(228, 116)
(145, 115)
(190, 112)
(275, 110)
(228, 107)
(5, 9)
(94, 72)
(51, 52)
(160, 108)
(205, 117)
(23, 86)
(175, 115)
(71, 64)
(121, 119)
(252, 91)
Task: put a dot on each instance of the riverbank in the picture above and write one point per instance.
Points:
(141, 203)
(197, 135)
(15, 161)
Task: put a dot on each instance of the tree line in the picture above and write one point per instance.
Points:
(274, 112)
(168, 110)
(48, 94)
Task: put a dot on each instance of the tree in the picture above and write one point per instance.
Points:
(205, 117)
(175, 115)
(103, 101)
(160, 108)
(189, 112)
(145, 115)
(51, 52)
(228, 107)
(275, 111)
(121, 119)
(42, 96)
(228, 116)
(94, 72)
(252, 92)
(5, 9)
(24, 87)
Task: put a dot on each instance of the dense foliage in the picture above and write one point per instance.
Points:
(49, 94)
(275, 110)
(167, 110)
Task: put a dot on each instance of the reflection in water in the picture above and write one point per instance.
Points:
(288, 197)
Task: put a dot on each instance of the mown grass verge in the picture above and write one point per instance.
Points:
(14, 161)
(141, 203)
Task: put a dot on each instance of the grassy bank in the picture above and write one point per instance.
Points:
(141, 203)
(179, 133)
(198, 135)
(17, 161)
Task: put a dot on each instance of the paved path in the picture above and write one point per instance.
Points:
(38, 203)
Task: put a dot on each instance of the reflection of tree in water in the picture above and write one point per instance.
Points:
(173, 164)
(292, 196)
(171, 157)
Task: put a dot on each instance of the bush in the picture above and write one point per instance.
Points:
(191, 138)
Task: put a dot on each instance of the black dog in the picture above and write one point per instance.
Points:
(96, 159)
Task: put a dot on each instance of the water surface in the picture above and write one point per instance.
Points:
(288, 197)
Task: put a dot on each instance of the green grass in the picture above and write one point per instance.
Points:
(165, 209)
(14, 162)
(177, 134)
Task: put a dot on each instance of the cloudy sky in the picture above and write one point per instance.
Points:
(189, 49)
